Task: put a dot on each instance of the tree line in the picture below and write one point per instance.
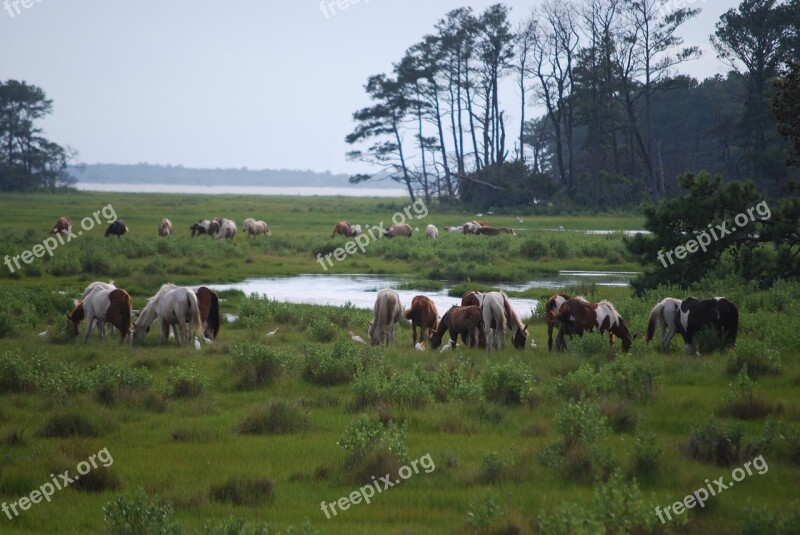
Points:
(619, 125)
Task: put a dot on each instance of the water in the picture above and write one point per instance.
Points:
(361, 290)
(243, 190)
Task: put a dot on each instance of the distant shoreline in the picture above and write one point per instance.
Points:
(301, 191)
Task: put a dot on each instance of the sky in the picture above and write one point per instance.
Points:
(262, 84)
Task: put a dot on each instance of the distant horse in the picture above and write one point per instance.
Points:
(208, 305)
(577, 315)
(254, 228)
(471, 227)
(455, 230)
(431, 232)
(387, 312)
(664, 316)
(117, 228)
(173, 306)
(466, 321)
(214, 226)
(422, 314)
(227, 230)
(165, 227)
(341, 227)
(64, 224)
(399, 230)
(493, 310)
(552, 308)
(495, 231)
(696, 314)
(112, 305)
(355, 230)
(201, 227)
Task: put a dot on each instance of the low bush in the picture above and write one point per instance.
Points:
(277, 418)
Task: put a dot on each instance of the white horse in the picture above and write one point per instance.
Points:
(493, 309)
(387, 312)
(165, 227)
(355, 230)
(431, 232)
(101, 325)
(227, 230)
(254, 228)
(104, 303)
(454, 230)
(664, 316)
(173, 306)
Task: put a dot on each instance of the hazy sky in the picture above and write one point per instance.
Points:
(240, 83)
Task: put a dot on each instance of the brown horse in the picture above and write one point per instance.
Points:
(399, 230)
(103, 305)
(423, 315)
(465, 321)
(551, 308)
(577, 315)
(341, 227)
(208, 303)
(495, 231)
(64, 224)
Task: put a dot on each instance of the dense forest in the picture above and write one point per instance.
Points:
(620, 124)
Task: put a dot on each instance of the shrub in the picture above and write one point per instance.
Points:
(138, 515)
(277, 418)
(756, 356)
(244, 491)
(629, 377)
(496, 468)
(69, 424)
(322, 330)
(325, 368)
(257, 364)
(98, 479)
(509, 383)
(482, 514)
(109, 380)
(370, 433)
(580, 384)
(758, 521)
(715, 442)
(646, 453)
(408, 390)
(741, 401)
(185, 382)
(370, 387)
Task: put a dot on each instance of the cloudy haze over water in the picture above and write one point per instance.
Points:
(242, 83)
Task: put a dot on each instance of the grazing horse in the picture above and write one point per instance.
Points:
(201, 227)
(399, 230)
(173, 306)
(493, 310)
(664, 316)
(117, 228)
(519, 331)
(387, 312)
(111, 305)
(208, 305)
(466, 321)
(341, 227)
(227, 230)
(64, 224)
(254, 228)
(422, 314)
(454, 230)
(577, 315)
(355, 230)
(165, 227)
(494, 231)
(695, 314)
(214, 226)
(101, 326)
(471, 227)
(552, 308)
(432, 232)
(472, 298)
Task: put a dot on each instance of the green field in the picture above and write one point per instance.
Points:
(252, 427)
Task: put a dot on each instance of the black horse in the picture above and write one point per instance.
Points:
(117, 228)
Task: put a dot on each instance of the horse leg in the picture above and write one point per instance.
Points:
(550, 337)
(164, 331)
(414, 332)
(560, 341)
(90, 319)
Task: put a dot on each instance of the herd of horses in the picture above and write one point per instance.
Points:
(218, 228)
(478, 228)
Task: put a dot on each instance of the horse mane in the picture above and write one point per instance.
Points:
(581, 298)
(607, 304)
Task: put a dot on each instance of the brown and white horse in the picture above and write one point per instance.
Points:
(552, 308)
(578, 315)
(112, 305)
(201, 227)
(64, 224)
(227, 230)
(466, 321)
(254, 228)
(208, 304)
(664, 317)
(165, 227)
(422, 314)
(494, 231)
(341, 227)
(696, 314)
(388, 311)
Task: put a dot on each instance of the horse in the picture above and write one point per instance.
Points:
(696, 314)
(519, 331)
(494, 231)
(551, 307)
(422, 314)
(254, 228)
(117, 228)
(341, 227)
(466, 321)
(64, 224)
(493, 310)
(577, 315)
(201, 227)
(387, 312)
(399, 230)
(432, 232)
(101, 326)
(227, 230)
(355, 230)
(471, 227)
(208, 305)
(173, 306)
(454, 230)
(472, 298)
(165, 227)
(664, 316)
(111, 305)
(214, 226)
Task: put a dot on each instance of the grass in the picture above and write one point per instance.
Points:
(252, 427)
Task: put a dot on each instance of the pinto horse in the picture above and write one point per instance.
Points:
(422, 314)
(696, 314)
(173, 306)
(577, 315)
(664, 317)
(466, 321)
(552, 308)
(64, 224)
(387, 312)
(341, 227)
(112, 305)
(201, 227)
(165, 227)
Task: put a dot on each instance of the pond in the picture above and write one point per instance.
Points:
(360, 290)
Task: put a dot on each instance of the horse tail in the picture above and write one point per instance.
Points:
(733, 323)
(197, 324)
(125, 315)
(213, 315)
(651, 325)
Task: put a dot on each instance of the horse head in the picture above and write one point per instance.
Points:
(520, 338)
